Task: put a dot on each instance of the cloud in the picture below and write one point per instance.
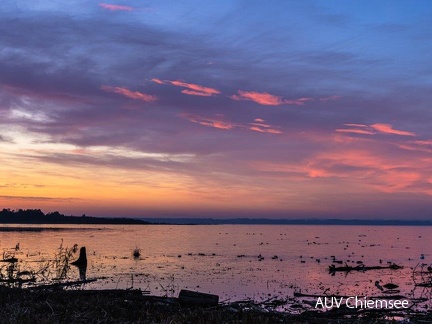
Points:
(219, 121)
(267, 99)
(372, 168)
(130, 94)
(5, 139)
(372, 129)
(425, 142)
(260, 126)
(158, 81)
(265, 130)
(196, 93)
(36, 198)
(357, 125)
(421, 145)
(388, 129)
(114, 7)
(191, 88)
(354, 131)
(216, 122)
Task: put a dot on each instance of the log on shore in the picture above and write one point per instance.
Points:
(347, 268)
(188, 297)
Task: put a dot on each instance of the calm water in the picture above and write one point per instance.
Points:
(224, 259)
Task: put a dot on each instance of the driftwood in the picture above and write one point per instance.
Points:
(347, 268)
(10, 260)
(188, 297)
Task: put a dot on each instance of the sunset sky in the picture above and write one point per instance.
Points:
(217, 108)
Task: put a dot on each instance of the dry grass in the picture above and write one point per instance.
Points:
(123, 306)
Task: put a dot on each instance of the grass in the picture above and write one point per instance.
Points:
(130, 306)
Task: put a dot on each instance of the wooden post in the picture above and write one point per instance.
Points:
(81, 263)
(82, 260)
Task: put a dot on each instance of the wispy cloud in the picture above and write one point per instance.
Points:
(191, 88)
(388, 129)
(30, 198)
(158, 81)
(217, 122)
(196, 93)
(220, 122)
(114, 7)
(373, 129)
(355, 131)
(421, 145)
(267, 99)
(130, 94)
(426, 142)
(357, 125)
(259, 125)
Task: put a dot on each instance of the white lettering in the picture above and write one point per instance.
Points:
(319, 302)
(362, 302)
(338, 304)
(348, 302)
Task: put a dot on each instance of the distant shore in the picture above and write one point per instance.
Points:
(269, 221)
(36, 216)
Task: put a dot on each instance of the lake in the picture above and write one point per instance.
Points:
(236, 262)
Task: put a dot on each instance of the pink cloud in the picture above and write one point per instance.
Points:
(388, 129)
(265, 130)
(354, 131)
(421, 146)
(195, 87)
(267, 99)
(427, 142)
(259, 125)
(191, 88)
(158, 81)
(216, 122)
(371, 166)
(114, 7)
(372, 129)
(130, 94)
(220, 122)
(357, 125)
(196, 93)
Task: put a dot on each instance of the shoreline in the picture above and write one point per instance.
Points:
(57, 305)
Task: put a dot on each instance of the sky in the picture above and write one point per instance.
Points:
(239, 108)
